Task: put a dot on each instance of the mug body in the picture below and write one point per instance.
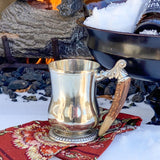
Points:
(73, 111)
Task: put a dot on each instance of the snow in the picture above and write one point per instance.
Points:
(15, 113)
(140, 144)
(117, 16)
(151, 32)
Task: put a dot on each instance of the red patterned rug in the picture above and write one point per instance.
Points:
(30, 141)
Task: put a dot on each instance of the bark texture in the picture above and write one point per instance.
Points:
(34, 28)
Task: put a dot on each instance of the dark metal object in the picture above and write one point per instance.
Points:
(153, 6)
(51, 50)
(12, 62)
(154, 100)
(150, 18)
(55, 48)
(7, 50)
(142, 52)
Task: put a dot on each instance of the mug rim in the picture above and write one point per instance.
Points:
(55, 65)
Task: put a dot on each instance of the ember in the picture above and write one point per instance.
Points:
(45, 4)
(55, 3)
(41, 60)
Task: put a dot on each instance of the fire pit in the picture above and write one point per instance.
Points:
(142, 52)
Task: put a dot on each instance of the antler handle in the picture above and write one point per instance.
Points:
(121, 92)
(117, 104)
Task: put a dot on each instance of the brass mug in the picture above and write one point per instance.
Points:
(73, 110)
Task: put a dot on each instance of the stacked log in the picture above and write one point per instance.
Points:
(30, 30)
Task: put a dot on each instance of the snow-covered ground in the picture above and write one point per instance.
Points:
(140, 144)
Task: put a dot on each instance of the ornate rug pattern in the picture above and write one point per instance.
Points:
(30, 141)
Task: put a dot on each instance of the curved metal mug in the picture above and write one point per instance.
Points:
(73, 110)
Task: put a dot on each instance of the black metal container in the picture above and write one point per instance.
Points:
(142, 52)
(150, 17)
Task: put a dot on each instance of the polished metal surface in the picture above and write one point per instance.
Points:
(90, 135)
(73, 110)
(117, 72)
